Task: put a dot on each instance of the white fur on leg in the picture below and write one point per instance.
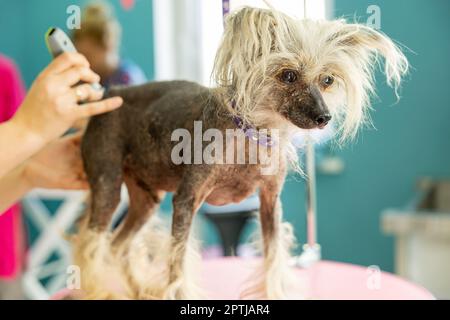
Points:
(98, 272)
(145, 262)
(186, 284)
(147, 265)
(276, 279)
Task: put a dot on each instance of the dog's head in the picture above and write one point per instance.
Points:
(302, 71)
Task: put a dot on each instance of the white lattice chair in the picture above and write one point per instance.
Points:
(51, 228)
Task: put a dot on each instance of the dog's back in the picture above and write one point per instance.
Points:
(138, 135)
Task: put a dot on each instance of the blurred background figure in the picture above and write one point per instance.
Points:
(99, 40)
(12, 92)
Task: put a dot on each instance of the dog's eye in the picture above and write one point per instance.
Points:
(289, 76)
(327, 81)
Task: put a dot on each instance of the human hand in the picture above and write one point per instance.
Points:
(52, 105)
(57, 166)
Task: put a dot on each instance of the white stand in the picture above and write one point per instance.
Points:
(311, 250)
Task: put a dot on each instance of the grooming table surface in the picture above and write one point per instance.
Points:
(225, 278)
(324, 280)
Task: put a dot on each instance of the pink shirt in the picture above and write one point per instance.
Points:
(11, 234)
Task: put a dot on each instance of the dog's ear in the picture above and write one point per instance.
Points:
(357, 49)
(368, 42)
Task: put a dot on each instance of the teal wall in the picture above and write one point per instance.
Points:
(23, 24)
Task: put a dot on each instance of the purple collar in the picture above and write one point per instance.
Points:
(251, 132)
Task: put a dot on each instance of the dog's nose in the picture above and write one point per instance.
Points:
(323, 120)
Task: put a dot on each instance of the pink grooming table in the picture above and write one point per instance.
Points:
(225, 278)
(324, 280)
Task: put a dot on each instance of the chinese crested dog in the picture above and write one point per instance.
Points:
(274, 73)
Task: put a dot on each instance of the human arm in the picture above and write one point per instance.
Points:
(51, 108)
(57, 166)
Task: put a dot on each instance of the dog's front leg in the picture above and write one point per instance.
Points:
(187, 200)
(277, 241)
